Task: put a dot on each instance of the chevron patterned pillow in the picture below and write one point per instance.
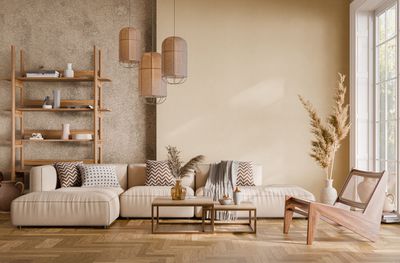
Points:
(245, 174)
(97, 175)
(68, 173)
(158, 174)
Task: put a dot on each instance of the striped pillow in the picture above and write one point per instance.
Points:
(158, 174)
(245, 174)
(68, 173)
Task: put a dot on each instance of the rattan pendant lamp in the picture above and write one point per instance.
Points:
(174, 58)
(153, 89)
(129, 44)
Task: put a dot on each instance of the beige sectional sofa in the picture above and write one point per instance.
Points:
(76, 206)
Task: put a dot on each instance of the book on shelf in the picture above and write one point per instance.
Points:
(43, 74)
(390, 217)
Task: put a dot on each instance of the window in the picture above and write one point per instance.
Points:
(386, 103)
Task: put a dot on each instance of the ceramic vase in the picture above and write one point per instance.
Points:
(8, 192)
(328, 193)
(237, 197)
(66, 131)
(56, 99)
(365, 189)
(178, 192)
(69, 72)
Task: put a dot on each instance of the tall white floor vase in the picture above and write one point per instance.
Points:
(328, 193)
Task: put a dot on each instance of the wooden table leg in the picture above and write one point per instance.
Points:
(158, 215)
(152, 219)
(203, 217)
(212, 219)
(255, 221)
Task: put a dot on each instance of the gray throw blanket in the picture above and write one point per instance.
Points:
(220, 182)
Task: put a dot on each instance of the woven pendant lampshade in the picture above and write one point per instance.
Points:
(174, 60)
(151, 83)
(129, 47)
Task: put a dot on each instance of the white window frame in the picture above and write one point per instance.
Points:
(362, 76)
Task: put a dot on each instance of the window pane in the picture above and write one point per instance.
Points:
(381, 28)
(391, 59)
(391, 100)
(391, 141)
(391, 22)
(381, 63)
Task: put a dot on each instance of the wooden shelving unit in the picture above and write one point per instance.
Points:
(18, 108)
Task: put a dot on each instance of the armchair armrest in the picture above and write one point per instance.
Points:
(43, 178)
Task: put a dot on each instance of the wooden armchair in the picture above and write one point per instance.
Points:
(357, 208)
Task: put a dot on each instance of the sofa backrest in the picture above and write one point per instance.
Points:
(122, 174)
(137, 176)
(204, 169)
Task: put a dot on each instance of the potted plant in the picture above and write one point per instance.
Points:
(328, 136)
(178, 192)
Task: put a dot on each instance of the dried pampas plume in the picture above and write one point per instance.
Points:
(328, 136)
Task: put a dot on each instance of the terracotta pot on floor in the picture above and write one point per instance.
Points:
(9, 191)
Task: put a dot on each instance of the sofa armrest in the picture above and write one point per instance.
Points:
(43, 178)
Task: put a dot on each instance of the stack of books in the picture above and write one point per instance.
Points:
(43, 74)
(390, 217)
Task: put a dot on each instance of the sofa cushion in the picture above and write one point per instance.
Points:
(99, 176)
(116, 190)
(268, 199)
(68, 173)
(136, 202)
(66, 207)
(158, 174)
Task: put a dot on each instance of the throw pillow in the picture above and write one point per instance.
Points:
(99, 176)
(158, 174)
(68, 173)
(245, 174)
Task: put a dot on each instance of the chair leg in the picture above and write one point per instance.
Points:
(287, 220)
(313, 217)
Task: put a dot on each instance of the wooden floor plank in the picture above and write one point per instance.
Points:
(132, 241)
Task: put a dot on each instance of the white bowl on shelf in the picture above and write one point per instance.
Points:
(82, 136)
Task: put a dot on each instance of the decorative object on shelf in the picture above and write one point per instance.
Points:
(42, 74)
(66, 131)
(129, 44)
(179, 171)
(56, 98)
(389, 205)
(174, 58)
(237, 196)
(328, 136)
(328, 193)
(152, 87)
(9, 190)
(47, 103)
(82, 136)
(36, 136)
(225, 200)
(69, 72)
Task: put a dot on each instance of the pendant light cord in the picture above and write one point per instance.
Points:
(129, 8)
(174, 17)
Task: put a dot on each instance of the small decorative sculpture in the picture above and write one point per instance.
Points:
(69, 72)
(46, 103)
(36, 136)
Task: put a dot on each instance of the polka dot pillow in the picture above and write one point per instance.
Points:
(99, 176)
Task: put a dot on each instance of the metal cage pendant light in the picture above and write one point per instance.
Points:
(129, 44)
(174, 58)
(153, 88)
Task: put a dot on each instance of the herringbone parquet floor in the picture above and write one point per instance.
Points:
(131, 241)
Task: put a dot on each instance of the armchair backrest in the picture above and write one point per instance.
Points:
(364, 191)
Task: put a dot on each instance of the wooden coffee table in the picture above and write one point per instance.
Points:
(204, 202)
(234, 226)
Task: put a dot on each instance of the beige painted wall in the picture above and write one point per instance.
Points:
(248, 60)
(54, 33)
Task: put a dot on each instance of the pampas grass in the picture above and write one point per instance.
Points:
(329, 135)
(175, 163)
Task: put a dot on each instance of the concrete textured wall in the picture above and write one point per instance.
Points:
(247, 61)
(56, 32)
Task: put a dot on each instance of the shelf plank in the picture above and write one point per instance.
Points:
(56, 140)
(59, 109)
(62, 79)
(47, 161)
(64, 103)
